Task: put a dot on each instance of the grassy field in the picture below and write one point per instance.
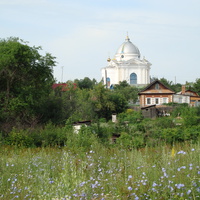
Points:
(102, 173)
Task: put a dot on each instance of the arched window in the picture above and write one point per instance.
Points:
(133, 79)
(108, 82)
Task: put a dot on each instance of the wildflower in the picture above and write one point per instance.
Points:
(180, 185)
(130, 188)
(181, 152)
(130, 176)
(154, 190)
(188, 192)
(81, 184)
(192, 149)
(173, 152)
(154, 184)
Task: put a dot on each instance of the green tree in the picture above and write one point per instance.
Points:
(25, 80)
(196, 86)
(85, 83)
(105, 101)
(129, 92)
(175, 87)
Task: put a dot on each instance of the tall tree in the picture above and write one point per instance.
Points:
(196, 86)
(25, 79)
(105, 101)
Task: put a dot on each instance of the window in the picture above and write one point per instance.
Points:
(165, 100)
(108, 82)
(157, 86)
(148, 101)
(157, 100)
(133, 79)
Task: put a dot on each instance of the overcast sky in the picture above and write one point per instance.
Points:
(82, 34)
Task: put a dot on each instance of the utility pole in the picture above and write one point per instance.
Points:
(62, 74)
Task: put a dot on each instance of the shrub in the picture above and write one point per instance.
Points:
(126, 141)
(53, 135)
(20, 138)
(83, 140)
(131, 116)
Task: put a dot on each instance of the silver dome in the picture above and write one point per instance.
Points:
(128, 48)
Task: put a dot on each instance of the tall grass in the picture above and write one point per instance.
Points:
(163, 172)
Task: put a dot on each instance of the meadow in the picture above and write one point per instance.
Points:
(162, 172)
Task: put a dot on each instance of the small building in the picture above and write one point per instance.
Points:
(77, 125)
(149, 111)
(187, 96)
(156, 93)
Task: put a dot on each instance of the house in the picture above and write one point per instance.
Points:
(187, 96)
(156, 93)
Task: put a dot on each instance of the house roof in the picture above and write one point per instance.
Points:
(152, 90)
(189, 93)
(149, 106)
(63, 86)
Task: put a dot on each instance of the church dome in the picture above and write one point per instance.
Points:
(127, 50)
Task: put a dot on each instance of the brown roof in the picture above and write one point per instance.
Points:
(151, 90)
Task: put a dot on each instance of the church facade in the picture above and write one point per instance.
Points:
(126, 66)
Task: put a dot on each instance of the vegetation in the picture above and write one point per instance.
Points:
(25, 83)
(42, 157)
(164, 172)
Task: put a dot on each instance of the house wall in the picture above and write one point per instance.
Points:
(195, 101)
(177, 98)
(157, 99)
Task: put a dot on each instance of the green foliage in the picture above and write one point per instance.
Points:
(19, 138)
(25, 81)
(175, 87)
(105, 102)
(126, 141)
(83, 140)
(188, 114)
(53, 136)
(196, 86)
(85, 83)
(130, 116)
(129, 92)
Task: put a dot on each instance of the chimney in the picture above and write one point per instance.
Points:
(183, 89)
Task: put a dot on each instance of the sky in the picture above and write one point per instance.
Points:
(82, 34)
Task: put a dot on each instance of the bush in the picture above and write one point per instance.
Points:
(83, 140)
(52, 135)
(20, 138)
(126, 141)
(131, 116)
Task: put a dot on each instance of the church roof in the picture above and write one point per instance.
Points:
(128, 48)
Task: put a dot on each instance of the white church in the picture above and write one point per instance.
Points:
(126, 66)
